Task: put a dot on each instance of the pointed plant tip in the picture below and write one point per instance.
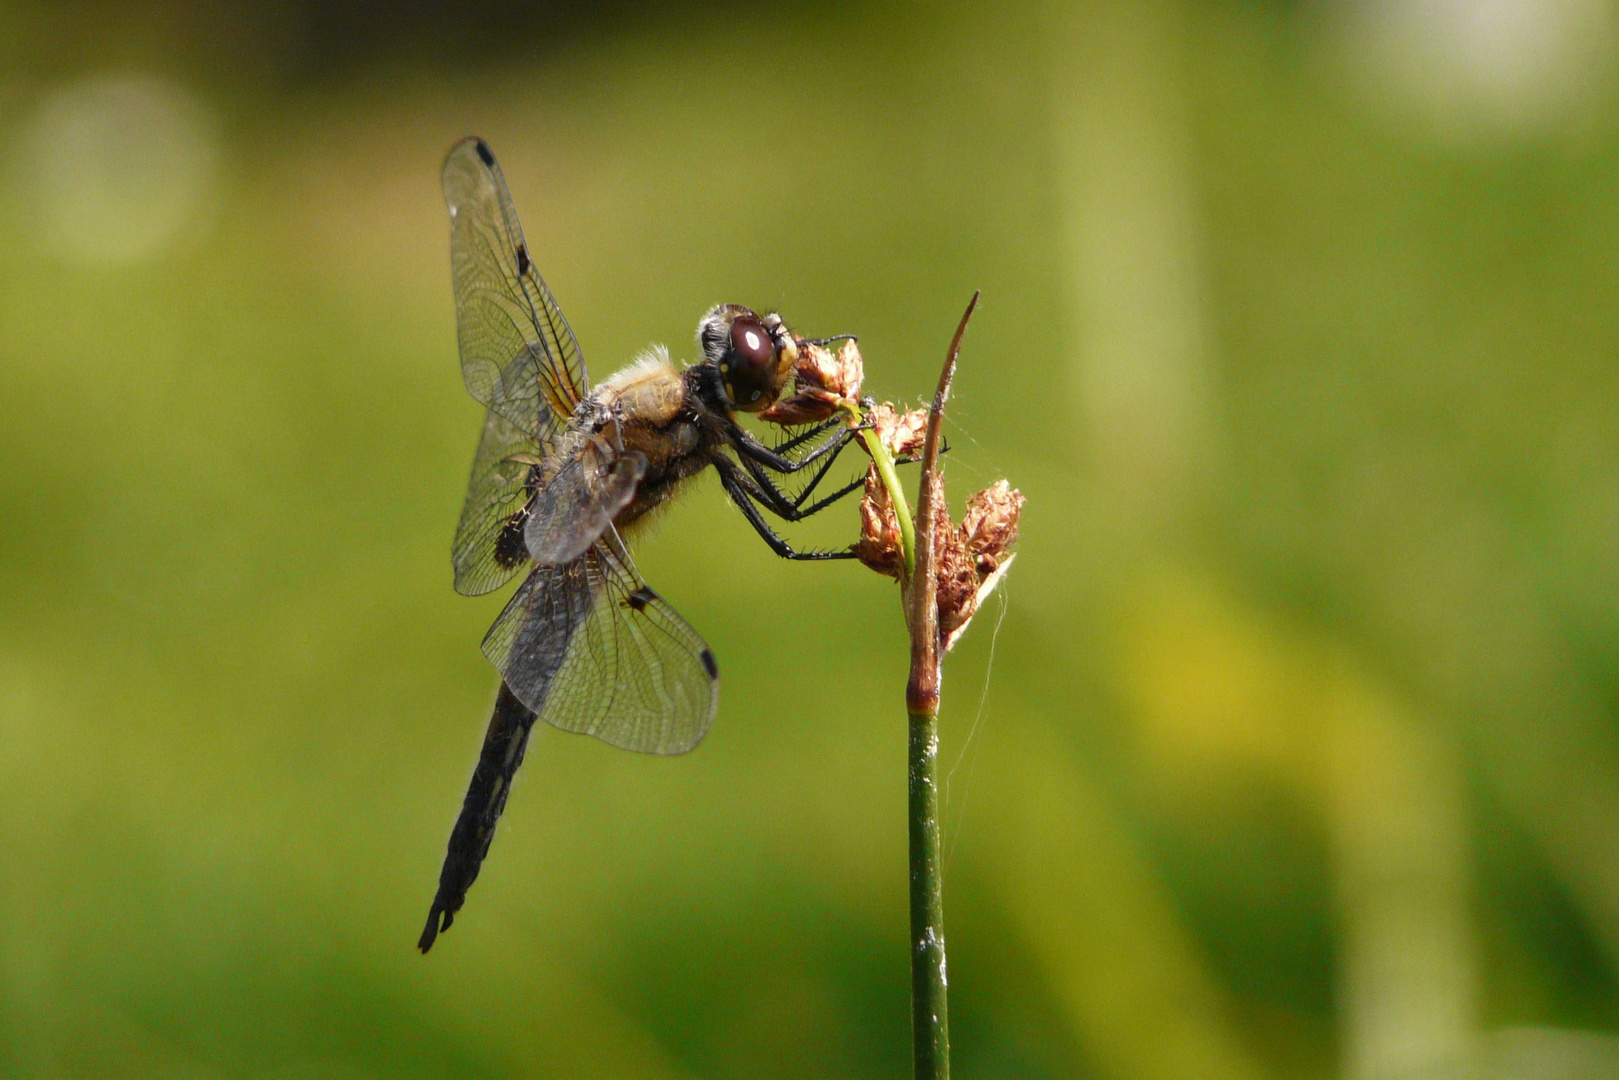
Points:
(947, 376)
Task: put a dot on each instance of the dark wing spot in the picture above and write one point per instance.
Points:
(641, 597)
(710, 665)
(510, 549)
(484, 155)
(522, 259)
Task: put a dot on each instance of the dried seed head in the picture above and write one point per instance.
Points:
(973, 557)
(956, 568)
(879, 546)
(989, 527)
(851, 371)
(901, 432)
(822, 384)
(969, 559)
(985, 587)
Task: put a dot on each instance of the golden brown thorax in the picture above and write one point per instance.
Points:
(657, 421)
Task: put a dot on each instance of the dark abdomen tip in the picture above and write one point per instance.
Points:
(430, 934)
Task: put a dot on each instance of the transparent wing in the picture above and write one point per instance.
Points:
(590, 648)
(489, 546)
(518, 356)
(578, 504)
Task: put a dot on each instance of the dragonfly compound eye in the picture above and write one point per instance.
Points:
(749, 365)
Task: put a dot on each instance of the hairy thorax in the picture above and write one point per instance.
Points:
(656, 418)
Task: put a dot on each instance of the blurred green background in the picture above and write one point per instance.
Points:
(1299, 751)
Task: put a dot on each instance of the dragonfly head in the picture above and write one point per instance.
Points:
(754, 354)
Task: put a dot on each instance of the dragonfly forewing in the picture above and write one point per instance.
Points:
(517, 350)
(578, 504)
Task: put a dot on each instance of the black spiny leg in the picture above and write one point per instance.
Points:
(757, 458)
(749, 448)
(820, 474)
(782, 504)
(805, 436)
(764, 491)
(791, 507)
(821, 504)
(743, 492)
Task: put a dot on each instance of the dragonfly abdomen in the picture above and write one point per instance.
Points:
(503, 747)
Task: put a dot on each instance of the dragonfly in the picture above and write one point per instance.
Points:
(563, 473)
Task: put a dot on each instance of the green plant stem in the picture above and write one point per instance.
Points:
(930, 1010)
(896, 495)
(930, 1004)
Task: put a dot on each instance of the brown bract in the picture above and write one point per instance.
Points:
(989, 527)
(981, 551)
(823, 383)
(879, 546)
(970, 558)
(901, 432)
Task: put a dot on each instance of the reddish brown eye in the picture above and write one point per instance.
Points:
(750, 366)
(752, 343)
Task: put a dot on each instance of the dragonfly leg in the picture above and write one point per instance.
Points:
(782, 499)
(805, 436)
(752, 449)
(747, 496)
(767, 494)
(820, 474)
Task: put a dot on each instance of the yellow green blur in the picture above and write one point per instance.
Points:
(1299, 752)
